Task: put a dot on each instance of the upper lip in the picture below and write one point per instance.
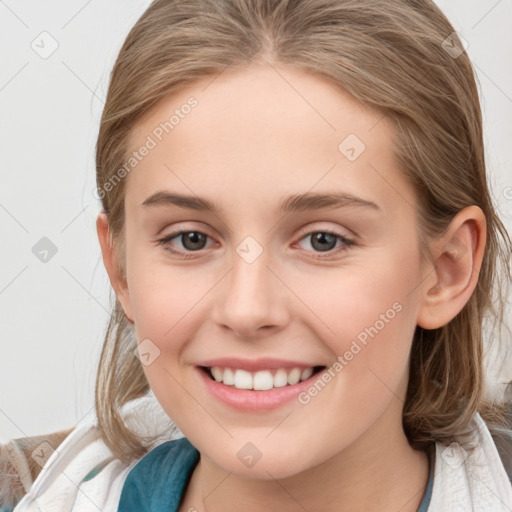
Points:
(253, 365)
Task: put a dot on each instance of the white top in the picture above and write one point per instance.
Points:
(463, 481)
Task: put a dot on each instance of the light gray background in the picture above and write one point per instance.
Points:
(54, 314)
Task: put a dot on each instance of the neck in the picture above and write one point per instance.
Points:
(378, 472)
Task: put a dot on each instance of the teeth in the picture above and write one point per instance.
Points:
(243, 380)
(280, 378)
(228, 377)
(306, 373)
(217, 373)
(261, 380)
(294, 376)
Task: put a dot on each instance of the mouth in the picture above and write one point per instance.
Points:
(261, 380)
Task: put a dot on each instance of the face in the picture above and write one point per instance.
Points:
(271, 279)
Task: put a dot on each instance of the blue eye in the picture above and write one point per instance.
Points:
(194, 241)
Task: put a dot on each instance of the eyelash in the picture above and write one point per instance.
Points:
(347, 242)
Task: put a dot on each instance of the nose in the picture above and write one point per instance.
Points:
(254, 300)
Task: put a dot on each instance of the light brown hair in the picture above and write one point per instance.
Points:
(389, 55)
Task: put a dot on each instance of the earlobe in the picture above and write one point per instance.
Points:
(117, 281)
(458, 258)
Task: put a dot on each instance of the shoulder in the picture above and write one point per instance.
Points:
(502, 437)
(160, 477)
(470, 473)
(21, 461)
(168, 459)
(84, 466)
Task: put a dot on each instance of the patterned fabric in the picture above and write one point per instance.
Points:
(21, 461)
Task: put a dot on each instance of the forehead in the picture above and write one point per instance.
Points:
(277, 96)
(263, 128)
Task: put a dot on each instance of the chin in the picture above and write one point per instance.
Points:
(271, 463)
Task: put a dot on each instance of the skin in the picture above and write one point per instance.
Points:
(251, 141)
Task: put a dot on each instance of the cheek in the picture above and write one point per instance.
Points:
(160, 292)
(368, 318)
(166, 305)
(163, 305)
(167, 301)
(354, 301)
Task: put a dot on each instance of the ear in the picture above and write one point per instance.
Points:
(117, 281)
(457, 260)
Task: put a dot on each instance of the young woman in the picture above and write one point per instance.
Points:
(298, 229)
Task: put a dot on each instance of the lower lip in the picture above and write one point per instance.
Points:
(250, 400)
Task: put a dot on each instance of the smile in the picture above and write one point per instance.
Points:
(257, 385)
(261, 380)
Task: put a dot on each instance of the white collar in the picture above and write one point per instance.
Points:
(471, 480)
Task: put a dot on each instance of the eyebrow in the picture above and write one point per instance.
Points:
(292, 203)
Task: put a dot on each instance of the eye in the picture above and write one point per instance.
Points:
(325, 242)
(191, 241)
(194, 241)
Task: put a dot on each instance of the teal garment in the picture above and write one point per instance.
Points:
(425, 502)
(158, 481)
